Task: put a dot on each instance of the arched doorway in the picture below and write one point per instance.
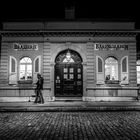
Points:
(68, 74)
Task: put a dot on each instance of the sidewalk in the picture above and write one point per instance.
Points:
(70, 106)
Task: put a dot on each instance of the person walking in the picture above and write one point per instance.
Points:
(38, 90)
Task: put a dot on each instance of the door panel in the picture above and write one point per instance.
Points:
(68, 80)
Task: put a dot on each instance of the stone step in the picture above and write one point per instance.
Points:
(68, 98)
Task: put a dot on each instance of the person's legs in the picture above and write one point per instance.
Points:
(36, 96)
(37, 100)
(41, 97)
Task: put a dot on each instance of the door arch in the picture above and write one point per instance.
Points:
(68, 74)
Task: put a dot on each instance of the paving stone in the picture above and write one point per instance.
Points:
(70, 125)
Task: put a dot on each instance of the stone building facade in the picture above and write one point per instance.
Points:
(90, 61)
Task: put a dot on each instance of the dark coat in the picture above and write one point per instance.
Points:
(39, 83)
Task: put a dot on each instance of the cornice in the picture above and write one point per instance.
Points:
(74, 33)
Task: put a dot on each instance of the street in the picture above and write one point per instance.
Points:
(115, 125)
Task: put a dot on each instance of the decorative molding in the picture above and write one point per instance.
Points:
(89, 33)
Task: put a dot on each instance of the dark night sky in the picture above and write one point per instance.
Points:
(84, 9)
(38, 10)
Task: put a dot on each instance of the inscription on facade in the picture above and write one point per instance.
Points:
(21, 47)
(106, 46)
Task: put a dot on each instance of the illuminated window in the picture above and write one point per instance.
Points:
(25, 69)
(138, 72)
(111, 69)
(68, 58)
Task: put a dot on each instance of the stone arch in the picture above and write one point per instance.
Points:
(61, 48)
(64, 47)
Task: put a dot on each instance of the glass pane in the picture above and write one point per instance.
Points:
(68, 56)
(25, 68)
(100, 69)
(29, 60)
(111, 60)
(37, 65)
(111, 69)
(138, 74)
(22, 60)
(78, 70)
(22, 67)
(29, 72)
(124, 65)
(65, 76)
(26, 60)
(13, 68)
(29, 68)
(71, 70)
(22, 75)
(71, 76)
(79, 76)
(65, 70)
(138, 62)
(68, 60)
(29, 75)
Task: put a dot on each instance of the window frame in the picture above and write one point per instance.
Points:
(34, 67)
(125, 73)
(12, 74)
(136, 70)
(110, 81)
(11, 57)
(99, 75)
(24, 80)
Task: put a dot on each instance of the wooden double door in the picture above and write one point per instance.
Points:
(68, 80)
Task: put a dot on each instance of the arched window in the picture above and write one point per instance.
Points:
(68, 56)
(111, 69)
(138, 71)
(25, 72)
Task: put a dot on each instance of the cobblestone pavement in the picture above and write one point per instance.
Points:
(70, 125)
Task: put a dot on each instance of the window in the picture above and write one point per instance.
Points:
(138, 72)
(124, 65)
(99, 70)
(13, 71)
(68, 56)
(124, 70)
(37, 65)
(111, 69)
(36, 68)
(13, 64)
(25, 69)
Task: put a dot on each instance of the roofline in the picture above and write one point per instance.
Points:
(63, 31)
(71, 33)
(72, 20)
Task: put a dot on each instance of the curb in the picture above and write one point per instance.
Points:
(69, 109)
